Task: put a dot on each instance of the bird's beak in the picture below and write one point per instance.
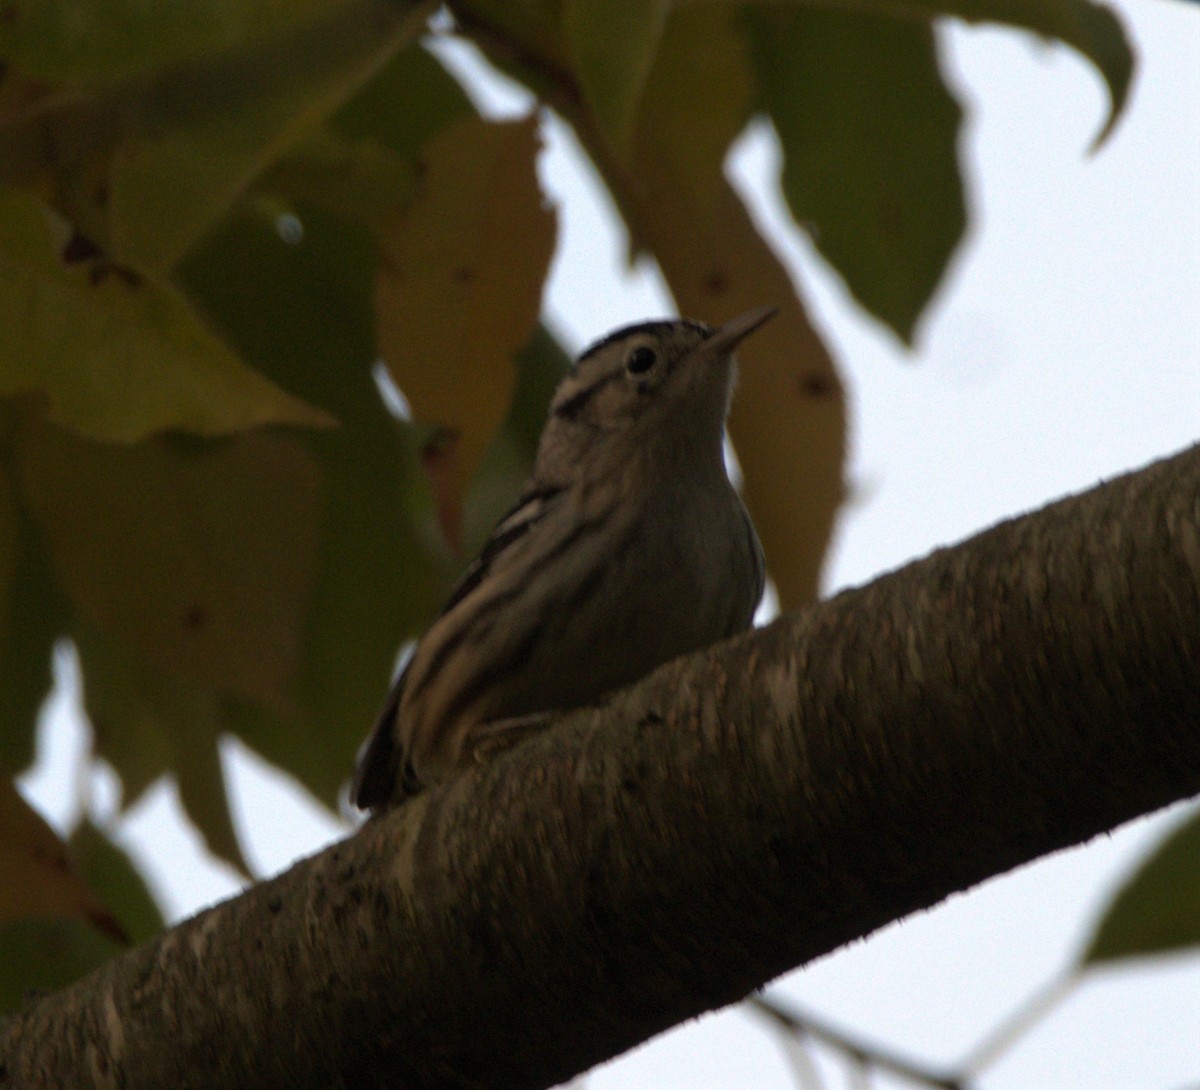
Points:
(732, 333)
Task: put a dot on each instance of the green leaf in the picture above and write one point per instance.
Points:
(131, 711)
(362, 164)
(1092, 30)
(86, 39)
(205, 134)
(302, 313)
(32, 617)
(870, 137)
(117, 356)
(534, 27)
(613, 43)
(108, 870)
(358, 179)
(1157, 910)
(200, 555)
(408, 102)
(45, 954)
(147, 723)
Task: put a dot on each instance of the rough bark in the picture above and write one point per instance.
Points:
(731, 817)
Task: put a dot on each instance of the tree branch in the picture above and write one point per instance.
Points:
(732, 816)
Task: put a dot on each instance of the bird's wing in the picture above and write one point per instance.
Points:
(381, 776)
(531, 506)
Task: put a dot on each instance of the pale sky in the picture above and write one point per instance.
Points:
(1065, 348)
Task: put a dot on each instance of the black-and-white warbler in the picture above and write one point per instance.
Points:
(627, 547)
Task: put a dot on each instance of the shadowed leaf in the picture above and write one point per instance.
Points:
(77, 40)
(32, 617)
(613, 43)
(406, 103)
(48, 953)
(303, 310)
(36, 875)
(148, 723)
(200, 554)
(209, 133)
(109, 870)
(541, 364)
(1157, 910)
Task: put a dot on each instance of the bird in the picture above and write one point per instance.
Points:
(627, 547)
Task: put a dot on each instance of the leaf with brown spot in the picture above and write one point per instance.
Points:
(199, 554)
(790, 443)
(206, 132)
(117, 358)
(459, 289)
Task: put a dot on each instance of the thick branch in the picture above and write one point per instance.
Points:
(734, 815)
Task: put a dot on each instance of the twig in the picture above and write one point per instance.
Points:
(1017, 1024)
(858, 1049)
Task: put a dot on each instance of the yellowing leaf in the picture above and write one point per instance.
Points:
(698, 98)
(199, 555)
(117, 356)
(36, 878)
(508, 461)
(613, 43)
(459, 290)
(788, 424)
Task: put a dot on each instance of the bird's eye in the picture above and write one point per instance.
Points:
(641, 359)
